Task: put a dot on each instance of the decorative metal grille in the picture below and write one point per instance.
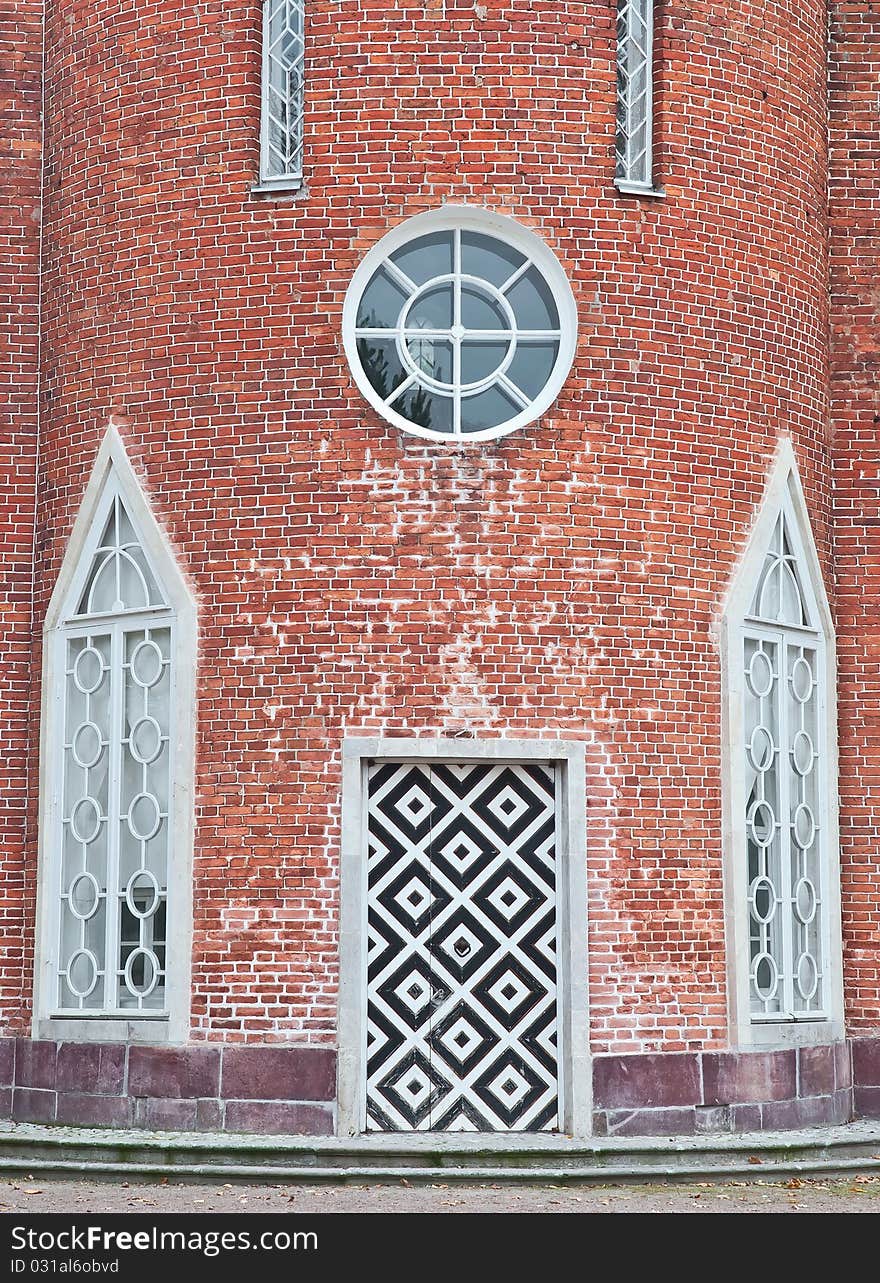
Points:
(462, 1002)
(281, 159)
(784, 761)
(116, 784)
(635, 51)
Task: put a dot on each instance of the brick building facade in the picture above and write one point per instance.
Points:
(528, 630)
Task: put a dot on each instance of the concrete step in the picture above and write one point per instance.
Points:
(66, 1152)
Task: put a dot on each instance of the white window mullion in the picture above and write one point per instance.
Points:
(785, 782)
(114, 811)
(456, 342)
(825, 803)
(57, 807)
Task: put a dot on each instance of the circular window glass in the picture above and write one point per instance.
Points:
(87, 745)
(82, 972)
(460, 324)
(145, 740)
(146, 664)
(144, 817)
(84, 896)
(88, 670)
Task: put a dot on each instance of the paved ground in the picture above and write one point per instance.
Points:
(860, 1194)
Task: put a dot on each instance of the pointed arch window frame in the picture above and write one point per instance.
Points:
(113, 476)
(783, 497)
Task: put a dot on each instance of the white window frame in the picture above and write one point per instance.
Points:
(270, 180)
(470, 219)
(569, 758)
(784, 494)
(629, 179)
(112, 474)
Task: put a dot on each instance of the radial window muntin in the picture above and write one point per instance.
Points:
(450, 335)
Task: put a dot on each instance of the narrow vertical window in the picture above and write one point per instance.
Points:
(781, 747)
(281, 144)
(635, 51)
(118, 713)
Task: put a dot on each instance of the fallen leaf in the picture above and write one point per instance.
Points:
(755, 1160)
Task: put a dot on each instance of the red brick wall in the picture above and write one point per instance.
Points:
(855, 286)
(20, 106)
(562, 581)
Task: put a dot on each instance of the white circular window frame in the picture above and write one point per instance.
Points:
(506, 229)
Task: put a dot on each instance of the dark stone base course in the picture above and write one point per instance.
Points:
(257, 1090)
(701, 1093)
(291, 1090)
(784, 1115)
(866, 1076)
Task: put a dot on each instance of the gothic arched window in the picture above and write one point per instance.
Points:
(113, 833)
(782, 765)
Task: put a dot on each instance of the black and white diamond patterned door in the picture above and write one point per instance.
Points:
(461, 968)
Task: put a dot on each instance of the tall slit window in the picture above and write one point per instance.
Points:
(112, 837)
(786, 780)
(635, 90)
(281, 142)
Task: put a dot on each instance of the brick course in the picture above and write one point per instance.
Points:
(855, 351)
(20, 144)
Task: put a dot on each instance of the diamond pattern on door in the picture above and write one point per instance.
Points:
(461, 965)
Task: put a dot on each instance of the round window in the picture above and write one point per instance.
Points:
(460, 324)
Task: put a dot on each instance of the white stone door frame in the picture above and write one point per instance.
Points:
(568, 756)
